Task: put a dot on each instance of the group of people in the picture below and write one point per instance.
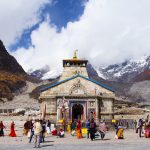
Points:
(143, 127)
(12, 129)
(59, 133)
(90, 125)
(92, 129)
(37, 129)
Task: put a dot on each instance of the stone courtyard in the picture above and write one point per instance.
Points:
(131, 142)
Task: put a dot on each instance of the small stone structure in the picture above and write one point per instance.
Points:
(76, 96)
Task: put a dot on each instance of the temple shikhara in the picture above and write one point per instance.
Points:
(76, 96)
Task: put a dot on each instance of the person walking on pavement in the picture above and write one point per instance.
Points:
(31, 131)
(87, 125)
(102, 129)
(92, 129)
(43, 124)
(2, 128)
(37, 133)
(140, 127)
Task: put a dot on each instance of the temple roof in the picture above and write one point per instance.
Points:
(73, 77)
(76, 60)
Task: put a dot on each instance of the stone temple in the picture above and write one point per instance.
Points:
(76, 96)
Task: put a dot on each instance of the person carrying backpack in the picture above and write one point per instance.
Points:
(92, 129)
(140, 127)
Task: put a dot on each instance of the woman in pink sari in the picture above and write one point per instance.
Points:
(12, 130)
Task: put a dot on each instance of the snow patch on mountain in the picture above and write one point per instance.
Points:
(100, 74)
(52, 74)
(45, 73)
(127, 69)
(39, 72)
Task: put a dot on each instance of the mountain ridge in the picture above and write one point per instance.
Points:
(126, 71)
(9, 63)
(12, 75)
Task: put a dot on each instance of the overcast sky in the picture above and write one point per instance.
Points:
(43, 32)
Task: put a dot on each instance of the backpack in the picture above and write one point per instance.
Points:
(92, 125)
(140, 123)
(87, 125)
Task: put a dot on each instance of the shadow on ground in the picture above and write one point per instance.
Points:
(47, 145)
(102, 140)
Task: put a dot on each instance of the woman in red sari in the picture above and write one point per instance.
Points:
(12, 130)
(1, 128)
(79, 132)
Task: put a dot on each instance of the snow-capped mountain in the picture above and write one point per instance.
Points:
(116, 76)
(44, 73)
(52, 74)
(39, 73)
(125, 71)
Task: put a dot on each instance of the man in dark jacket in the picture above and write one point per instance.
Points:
(31, 131)
(92, 129)
(140, 126)
(43, 124)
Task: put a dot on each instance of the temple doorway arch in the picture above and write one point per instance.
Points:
(77, 112)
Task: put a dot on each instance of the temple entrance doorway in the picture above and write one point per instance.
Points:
(77, 112)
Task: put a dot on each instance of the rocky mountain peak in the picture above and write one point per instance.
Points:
(3, 50)
(9, 63)
(12, 75)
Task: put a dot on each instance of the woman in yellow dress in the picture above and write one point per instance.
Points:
(120, 133)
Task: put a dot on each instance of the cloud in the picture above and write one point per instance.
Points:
(108, 32)
(16, 16)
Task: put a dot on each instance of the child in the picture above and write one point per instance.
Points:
(61, 133)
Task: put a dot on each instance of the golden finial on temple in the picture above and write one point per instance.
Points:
(75, 54)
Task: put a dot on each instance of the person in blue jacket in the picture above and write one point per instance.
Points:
(87, 125)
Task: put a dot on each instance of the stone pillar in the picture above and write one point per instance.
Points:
(97, 110)
(84, 112)
(58, 114)
(67, 114)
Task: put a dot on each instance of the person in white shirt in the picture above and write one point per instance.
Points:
(61, 133)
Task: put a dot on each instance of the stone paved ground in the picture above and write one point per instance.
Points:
(131, 142)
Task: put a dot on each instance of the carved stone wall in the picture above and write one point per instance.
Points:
(51, 105)
(80, 87)
(65, 88)
(107, 105)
